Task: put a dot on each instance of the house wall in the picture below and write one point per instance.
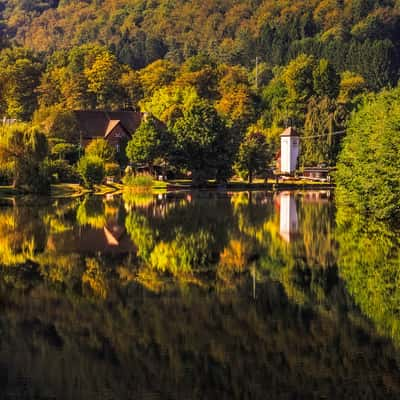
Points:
(117, 135)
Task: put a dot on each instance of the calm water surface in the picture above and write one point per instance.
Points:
(197, 295)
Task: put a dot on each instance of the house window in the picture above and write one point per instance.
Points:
(117, 147)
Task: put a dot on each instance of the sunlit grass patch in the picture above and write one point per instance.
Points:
(141, 183)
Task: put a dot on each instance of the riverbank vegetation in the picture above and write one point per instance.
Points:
(369, 166)
(368, 200)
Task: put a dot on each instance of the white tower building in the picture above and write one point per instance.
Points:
(290, 149)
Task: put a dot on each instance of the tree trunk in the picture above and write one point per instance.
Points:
(250, 176)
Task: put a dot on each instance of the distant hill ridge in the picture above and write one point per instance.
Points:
(229, 31)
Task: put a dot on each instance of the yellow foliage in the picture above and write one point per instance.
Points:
(235, 255)
(95, 278)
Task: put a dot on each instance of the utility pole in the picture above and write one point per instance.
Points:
(256, 73)
(254, 281)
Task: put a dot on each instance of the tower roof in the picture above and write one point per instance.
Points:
(291, 131)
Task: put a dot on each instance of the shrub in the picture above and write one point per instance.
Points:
(113, 169)
(65, 151)
(102, 149)
(61, 171)
(91, 169)
(143, 182)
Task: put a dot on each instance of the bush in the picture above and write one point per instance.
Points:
(91, 170)
(61, 171)
(65, 151)
(113, 169)
(102, 149)
(143, 182)
(26, 148)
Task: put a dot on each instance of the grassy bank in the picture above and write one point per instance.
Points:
(258, 184)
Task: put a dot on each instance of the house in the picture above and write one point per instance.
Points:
(116, 127)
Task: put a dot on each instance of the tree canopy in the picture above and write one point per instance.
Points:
(368, 173)
(24, 149)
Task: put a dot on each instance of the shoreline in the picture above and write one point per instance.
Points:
(74, 190)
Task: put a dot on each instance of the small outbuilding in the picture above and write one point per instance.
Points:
(317, 174)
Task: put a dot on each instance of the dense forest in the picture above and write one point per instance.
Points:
(246, 69)
(360, 35)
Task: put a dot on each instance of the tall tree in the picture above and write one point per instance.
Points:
(253, 157)
(368, 173)
(326, 79)
(149, 142)
(19, 76)
(25, 149)
(103, 77)
(203, 143)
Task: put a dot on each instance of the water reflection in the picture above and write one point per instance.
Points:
(289, 223)
(193, 295)
(99, 228)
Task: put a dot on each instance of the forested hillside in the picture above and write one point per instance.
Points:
(359, 35)
(190, 61)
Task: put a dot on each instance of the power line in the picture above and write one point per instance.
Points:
(327, 134)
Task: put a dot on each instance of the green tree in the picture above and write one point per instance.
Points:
(168, 103)
(25, 148)
(324, 117)
(149, 142)
(298, 76)
(253, 157)
(154, 76)
(368, 174)
(351, 85)
(103, 77)
(326, 79)
(203, 143)
(19, 76)
(132, 86)
(58, 123)
(91, 169)
(101, 149)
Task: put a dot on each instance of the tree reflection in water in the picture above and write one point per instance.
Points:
(197, 295)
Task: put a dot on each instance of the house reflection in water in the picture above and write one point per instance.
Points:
(111, 239)
(107, 237)
(289, 223)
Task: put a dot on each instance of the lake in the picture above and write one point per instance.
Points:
(197, 295)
